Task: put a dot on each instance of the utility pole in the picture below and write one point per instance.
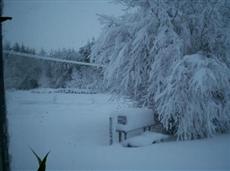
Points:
(4, 155)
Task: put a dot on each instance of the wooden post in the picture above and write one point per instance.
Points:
(120, 136)
(4, 155)
(125, 135)
(110, 130)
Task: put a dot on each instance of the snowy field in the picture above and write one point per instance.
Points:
(75, 128)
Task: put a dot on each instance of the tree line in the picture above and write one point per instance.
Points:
(28, 73)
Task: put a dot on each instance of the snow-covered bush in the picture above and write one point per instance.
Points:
(172, 56)
(196, 99)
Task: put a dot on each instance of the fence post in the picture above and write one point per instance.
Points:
(110, 130)
(4, 155)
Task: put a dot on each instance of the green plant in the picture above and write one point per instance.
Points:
(42, 162)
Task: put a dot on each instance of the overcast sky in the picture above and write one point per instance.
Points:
(52, 24)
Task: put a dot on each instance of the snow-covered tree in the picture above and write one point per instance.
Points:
(172, 56)
(19, 72)
(195, 101)
(85, 51)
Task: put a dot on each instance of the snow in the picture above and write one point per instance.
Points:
(75, 128)
(147, 138)
(196, 94)
(136, 118)
(64, 90)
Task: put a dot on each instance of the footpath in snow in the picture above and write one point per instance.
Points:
(75, 128)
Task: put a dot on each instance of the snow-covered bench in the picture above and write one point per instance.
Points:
(129, 120)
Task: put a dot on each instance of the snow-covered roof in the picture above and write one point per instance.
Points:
(19, 54)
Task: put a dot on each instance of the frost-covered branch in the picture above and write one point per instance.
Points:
(172, 56)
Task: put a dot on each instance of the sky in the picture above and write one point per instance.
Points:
(53, 24)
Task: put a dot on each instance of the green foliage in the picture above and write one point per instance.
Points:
(42, 162)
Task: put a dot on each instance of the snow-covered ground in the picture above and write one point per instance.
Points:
(75, 128)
